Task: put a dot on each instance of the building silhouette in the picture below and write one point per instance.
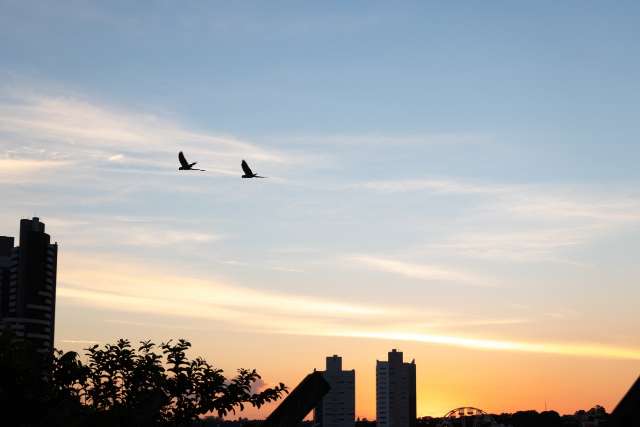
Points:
(6, 249)
(28, 285)
(395, 392)
(627, 412)
(338, 407)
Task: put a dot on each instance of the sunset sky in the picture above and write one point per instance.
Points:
(458, 181)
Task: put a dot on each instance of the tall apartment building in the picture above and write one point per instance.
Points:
(338, 407)
(6, 250)
(28, 285)
(395, 392)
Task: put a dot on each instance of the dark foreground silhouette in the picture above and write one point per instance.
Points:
(624, 415)
(150, 385)
(306, 396)
(248, 173)
(119, 385)
(594, 417)
(627, 412)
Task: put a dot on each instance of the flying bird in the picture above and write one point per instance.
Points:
(248, 173)
(186, 166)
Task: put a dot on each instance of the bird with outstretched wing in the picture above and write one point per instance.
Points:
(186, 166)
(248, 173)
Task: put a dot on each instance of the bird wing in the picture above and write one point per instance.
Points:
(183, 161)
(246, 168)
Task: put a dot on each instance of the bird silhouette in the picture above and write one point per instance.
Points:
(248, 173)
(186, 166)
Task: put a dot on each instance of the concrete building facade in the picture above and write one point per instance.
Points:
(338, 407)
(395, 392)
(28, 285)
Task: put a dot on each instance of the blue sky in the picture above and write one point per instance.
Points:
(436, 170)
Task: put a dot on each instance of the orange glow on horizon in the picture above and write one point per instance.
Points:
(287, 336)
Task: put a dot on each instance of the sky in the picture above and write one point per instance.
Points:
(455, 180)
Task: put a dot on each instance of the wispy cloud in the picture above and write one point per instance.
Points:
(123, 287)
(577, 205)
(116, 158)
(140, 289)
(579, 349)
(373, 139)
(474, 322)
(77, 341)
(155, 325)
(526, 245)
(287, 269)
(523, 222)
(233, 262)
(26, 170)
(40, 129)
(550, 201)
(139, 236)
(144, 232)
(427, 272)
(445, 186)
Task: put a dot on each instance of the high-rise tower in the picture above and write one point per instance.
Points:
(395, 392)
(337, 408)
(28, 285)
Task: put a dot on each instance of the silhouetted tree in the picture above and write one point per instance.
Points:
(121, 386)
(21, 379)
(597, 412)
(550, 419)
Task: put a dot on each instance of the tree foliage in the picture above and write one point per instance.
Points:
(123, 385)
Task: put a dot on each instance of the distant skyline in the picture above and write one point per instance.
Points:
(460, 182)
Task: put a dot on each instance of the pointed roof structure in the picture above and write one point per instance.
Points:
(627, 413)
